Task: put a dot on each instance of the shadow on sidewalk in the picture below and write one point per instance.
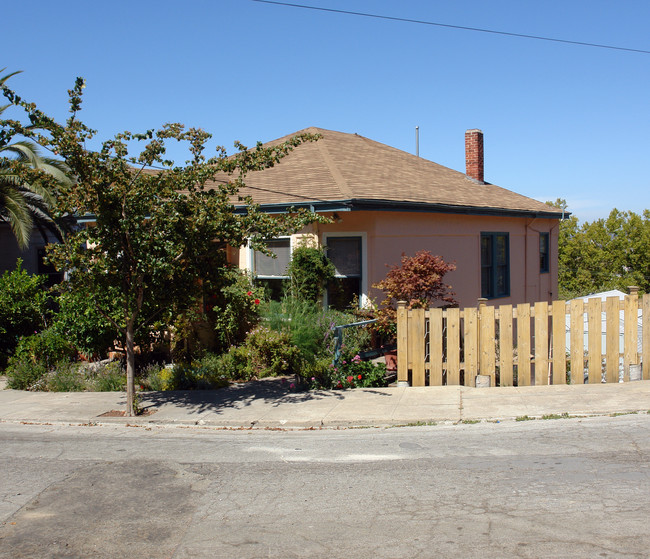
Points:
(271, 391)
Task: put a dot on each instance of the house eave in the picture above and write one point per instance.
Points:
(365, 204)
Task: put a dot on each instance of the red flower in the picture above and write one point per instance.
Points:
(359, 377)
(257, 301)
(249, 293)
(350, 379)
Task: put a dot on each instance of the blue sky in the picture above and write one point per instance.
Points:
(559, 120)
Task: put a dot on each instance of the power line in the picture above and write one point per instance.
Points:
(465, 28)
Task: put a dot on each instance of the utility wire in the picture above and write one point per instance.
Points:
(422, 22)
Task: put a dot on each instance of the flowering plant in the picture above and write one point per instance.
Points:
(356, 373)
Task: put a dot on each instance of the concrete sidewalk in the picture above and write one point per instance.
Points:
(268, 403)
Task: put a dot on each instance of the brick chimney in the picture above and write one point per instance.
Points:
(474, 155)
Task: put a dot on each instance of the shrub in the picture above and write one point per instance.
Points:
(418, 280)
(205, 373)
(23, 308)
(233, 308)
(310, 271)
(265, 353)
(105, 377)
(65, 377)
(48, 348)
(26, 375)
(353, 373)
(157, 377)
(79, 321)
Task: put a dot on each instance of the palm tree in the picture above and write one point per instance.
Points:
(26, 205)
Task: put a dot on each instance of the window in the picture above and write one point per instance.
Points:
(345, 254)
(495, 265)
(544, 252)
(271, 272)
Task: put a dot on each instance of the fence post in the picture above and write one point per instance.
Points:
(645, 329)
(402, 344)
(630, 336)
(481, 305)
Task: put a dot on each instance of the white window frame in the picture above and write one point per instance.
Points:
(251, 258)
(364, 300)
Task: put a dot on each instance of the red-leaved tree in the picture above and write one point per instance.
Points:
(418, 280)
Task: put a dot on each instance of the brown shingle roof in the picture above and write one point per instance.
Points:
(348, 167)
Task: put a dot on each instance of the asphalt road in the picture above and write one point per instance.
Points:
(545, 488)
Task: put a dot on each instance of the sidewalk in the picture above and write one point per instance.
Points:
(269, 404)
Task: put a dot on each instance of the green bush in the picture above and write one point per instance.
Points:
(106, 377)
(310, 271)
(313, 331)
(65, 377)
(23, 309)
(48, 348)
(204, 373)
(233, 308)
(26, 375)
(79, 321)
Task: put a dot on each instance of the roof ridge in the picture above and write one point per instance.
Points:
(329, 161)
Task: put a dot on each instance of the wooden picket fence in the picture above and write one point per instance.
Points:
(525, 344)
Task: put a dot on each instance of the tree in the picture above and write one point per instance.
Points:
(418, 280)
(25, 202)
(604, 254)
(159, 236)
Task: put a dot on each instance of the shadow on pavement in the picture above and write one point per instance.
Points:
(270, 391)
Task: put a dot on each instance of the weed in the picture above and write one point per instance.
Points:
(565, 415)
(470, 421)
(524, 418)
(619, 413)
(416, 424)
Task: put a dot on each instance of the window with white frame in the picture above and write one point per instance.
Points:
(271, 272)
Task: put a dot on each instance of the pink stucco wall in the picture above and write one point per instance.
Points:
(456, 238)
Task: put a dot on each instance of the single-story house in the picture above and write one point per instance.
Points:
(385, 202)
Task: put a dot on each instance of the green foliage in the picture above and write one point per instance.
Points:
(28, 182)
(312, 331)
(310, 271)
(158, 233)
(352, 373)
(25, 374)
(605, 254)
(418, 280)
(47, 348)
(106, 377)
(65, 377)
(265, 353)
(79, 321)
(233, 307)
(204, 373)
(23, 308)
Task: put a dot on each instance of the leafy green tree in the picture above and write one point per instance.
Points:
(26, 201)
(158, 228)
(604, 254)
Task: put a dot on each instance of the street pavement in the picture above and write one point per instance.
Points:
(271, 404)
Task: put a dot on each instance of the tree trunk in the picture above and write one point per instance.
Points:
(130, 370)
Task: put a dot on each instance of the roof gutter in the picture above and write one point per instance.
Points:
(361, 204)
